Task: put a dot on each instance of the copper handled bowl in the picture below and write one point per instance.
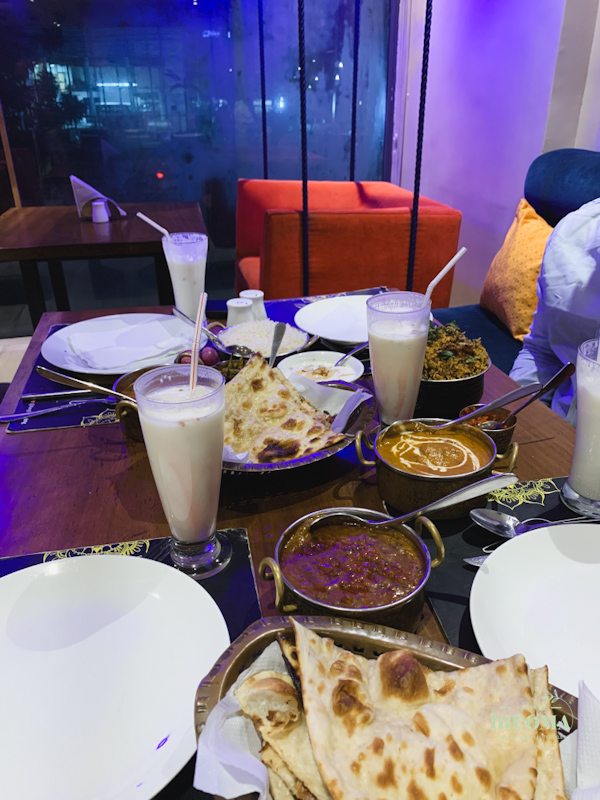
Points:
(403, 491)
(403, 613)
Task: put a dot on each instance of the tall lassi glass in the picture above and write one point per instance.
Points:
(581, 491)
(398, 323)
(184, 434)
(186, 259)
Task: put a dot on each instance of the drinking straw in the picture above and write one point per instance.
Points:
(158, 227)
(443, 272)
(196, 345)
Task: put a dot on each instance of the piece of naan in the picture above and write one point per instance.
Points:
(389, 728)
(266, 416)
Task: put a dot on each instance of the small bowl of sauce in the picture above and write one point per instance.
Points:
(501, 437)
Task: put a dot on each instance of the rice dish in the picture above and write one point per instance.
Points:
(450, 355)
(258, 336)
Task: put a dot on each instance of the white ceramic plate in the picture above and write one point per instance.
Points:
(57, 351)
(538, 594)
(100, 660)
(349, 371)
(339, 319)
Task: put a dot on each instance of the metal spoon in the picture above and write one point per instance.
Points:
(278, 335)
(67, 380)
(234, 349)
(26, 414)
(466, 493)
(351, 353)
(507, 526)
(516, 394)
(561, 375)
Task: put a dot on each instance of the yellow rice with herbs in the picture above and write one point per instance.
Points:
(450, 355)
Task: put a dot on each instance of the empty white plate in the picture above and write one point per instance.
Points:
(340, 319)
(100, 658)
(538, 594)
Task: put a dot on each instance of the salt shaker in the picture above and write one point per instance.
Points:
(239, 309)
(258, 302)
(100, 211)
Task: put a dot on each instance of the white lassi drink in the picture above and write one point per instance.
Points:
(186, 258)
(183, 433)
(581, 491)
(398, 323)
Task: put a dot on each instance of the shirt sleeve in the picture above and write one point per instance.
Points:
(537, 361)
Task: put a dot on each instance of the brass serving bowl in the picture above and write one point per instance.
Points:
(404, 491)
(502, 437)
(403, 613)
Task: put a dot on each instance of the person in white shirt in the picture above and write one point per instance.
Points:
(568, 310)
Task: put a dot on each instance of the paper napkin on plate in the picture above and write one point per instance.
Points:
(85, 194)
(116, 349)
(580, 752)
(228, 762)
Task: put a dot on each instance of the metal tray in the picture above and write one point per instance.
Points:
(363, 638)
(359, 420)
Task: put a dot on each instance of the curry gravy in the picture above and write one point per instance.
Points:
(436, 454)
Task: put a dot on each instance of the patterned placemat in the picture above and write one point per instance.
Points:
(449, 585)
(94, 412)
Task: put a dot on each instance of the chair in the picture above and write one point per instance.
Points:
(358, 237)
(556, 183)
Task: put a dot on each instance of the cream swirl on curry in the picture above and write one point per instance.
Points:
(435, 454)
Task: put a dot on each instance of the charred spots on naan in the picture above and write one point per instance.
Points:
(420, 724)
(402, 677)
(454, 750)
(468, 739)
(347, 704)
(387, 776)
(344, 667)
(447, 687)
(377, 746)
(484, 777)
(430, 762)
(414, 792)
(284, 394)
(528, 691)
(256, 384)
(237, 426)
(456, 784)
(247, 405)
(290, 424)
(355, 767)
(506, 793)
(442, 796)
(274, 450)
(533, 771)
(501, 669)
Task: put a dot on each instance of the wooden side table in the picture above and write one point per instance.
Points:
(56, 234)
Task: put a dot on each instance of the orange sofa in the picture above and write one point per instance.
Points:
(358, 237)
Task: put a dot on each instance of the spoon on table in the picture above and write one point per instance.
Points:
(67, 380)
(483, 486)
(351, 353)
(561, 375)
(508, 527)
(234, 349)
(26, 414)
(278, 335)
(515, 394)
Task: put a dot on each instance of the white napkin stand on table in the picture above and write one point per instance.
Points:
(580, 752)
(340, 403)
(85, 195)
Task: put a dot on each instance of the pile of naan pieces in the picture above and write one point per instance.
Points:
(267, 417)
(392, 729)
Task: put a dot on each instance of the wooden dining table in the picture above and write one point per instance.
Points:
(87, 486)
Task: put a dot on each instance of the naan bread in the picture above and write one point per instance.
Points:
(550, 779)
(389, 728)
(271, 701)
(267, 416)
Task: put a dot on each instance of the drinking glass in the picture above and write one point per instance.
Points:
(186, 258)
(184, 439)
(581, 491)
(398, 323)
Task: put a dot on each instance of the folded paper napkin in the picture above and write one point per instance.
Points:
(84, 196)
(228, 762)
(340, 403)
(580, 752)
(115, 349)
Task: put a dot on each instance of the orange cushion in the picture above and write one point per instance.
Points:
(247, 274)
(509, 289)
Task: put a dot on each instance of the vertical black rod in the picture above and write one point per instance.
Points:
(302, 59)
(354, 87)
(263, 94)
(415, 208)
